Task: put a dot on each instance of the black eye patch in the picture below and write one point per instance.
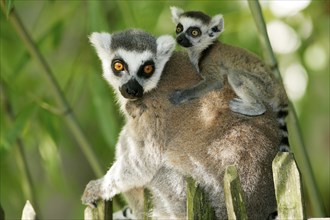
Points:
(179, 28)
(194, 31)
(118, 65)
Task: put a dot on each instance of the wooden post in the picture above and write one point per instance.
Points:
(147, 205)
(108, 210)
(233, 194)
(198, 206)
(103, 211)
(288, 189)
(91, 214)
(28, 212)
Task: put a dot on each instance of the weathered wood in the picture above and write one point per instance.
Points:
(288, 188)
(147, 205)
(234, 194)
(91, 213)
(198, 206)
(108, 210)
(102, 212)
(28, 212)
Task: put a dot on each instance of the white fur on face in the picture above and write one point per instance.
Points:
(201, 42)
(133, 60)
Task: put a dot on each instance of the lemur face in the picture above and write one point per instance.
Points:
(190, 32)
(132, 60)
(195, 29)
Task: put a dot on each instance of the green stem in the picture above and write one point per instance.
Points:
(68, 115)
(296, 140)
(269, 56)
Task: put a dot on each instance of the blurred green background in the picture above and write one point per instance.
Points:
(299, 32)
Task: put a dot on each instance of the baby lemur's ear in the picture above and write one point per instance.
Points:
(176, 13)
(165, 46)
(101, 42)
(216, 26)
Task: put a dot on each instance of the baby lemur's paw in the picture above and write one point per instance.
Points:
(92, 193)
(178, 97)
(246, 108)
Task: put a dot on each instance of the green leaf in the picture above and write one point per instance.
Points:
(106, 110)
(49, 122)
(97, 16)
(57, 33)
(9, 6)
(9, 138)
(51, 159)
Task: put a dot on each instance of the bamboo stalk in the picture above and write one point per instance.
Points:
(296, 140)
(68, 115)
(27, 183)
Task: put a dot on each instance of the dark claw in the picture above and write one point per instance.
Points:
(94, 204)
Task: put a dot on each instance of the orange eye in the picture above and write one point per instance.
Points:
(148, 69)
(118, 66)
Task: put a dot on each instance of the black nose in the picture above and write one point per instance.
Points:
(180, 39)
(132, 89)
(183, 41)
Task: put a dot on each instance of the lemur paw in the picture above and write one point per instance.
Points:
(250, 109)
(92, 193)
(177, 97)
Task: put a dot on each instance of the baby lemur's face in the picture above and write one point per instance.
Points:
(132, 60)
(196, 29)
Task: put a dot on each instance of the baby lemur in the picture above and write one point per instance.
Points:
(249, 77)
(160, 144)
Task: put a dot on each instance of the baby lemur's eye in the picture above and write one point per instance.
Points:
(195, 32)
(148, 69)
(179, 28)
(118, 65)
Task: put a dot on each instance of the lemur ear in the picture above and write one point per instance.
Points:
(165, 46)
(101, 42)
(176, 13)
(216, 26)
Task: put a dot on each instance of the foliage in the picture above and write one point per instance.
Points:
(58, 168)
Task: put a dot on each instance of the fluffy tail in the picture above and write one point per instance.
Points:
(281, 115)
